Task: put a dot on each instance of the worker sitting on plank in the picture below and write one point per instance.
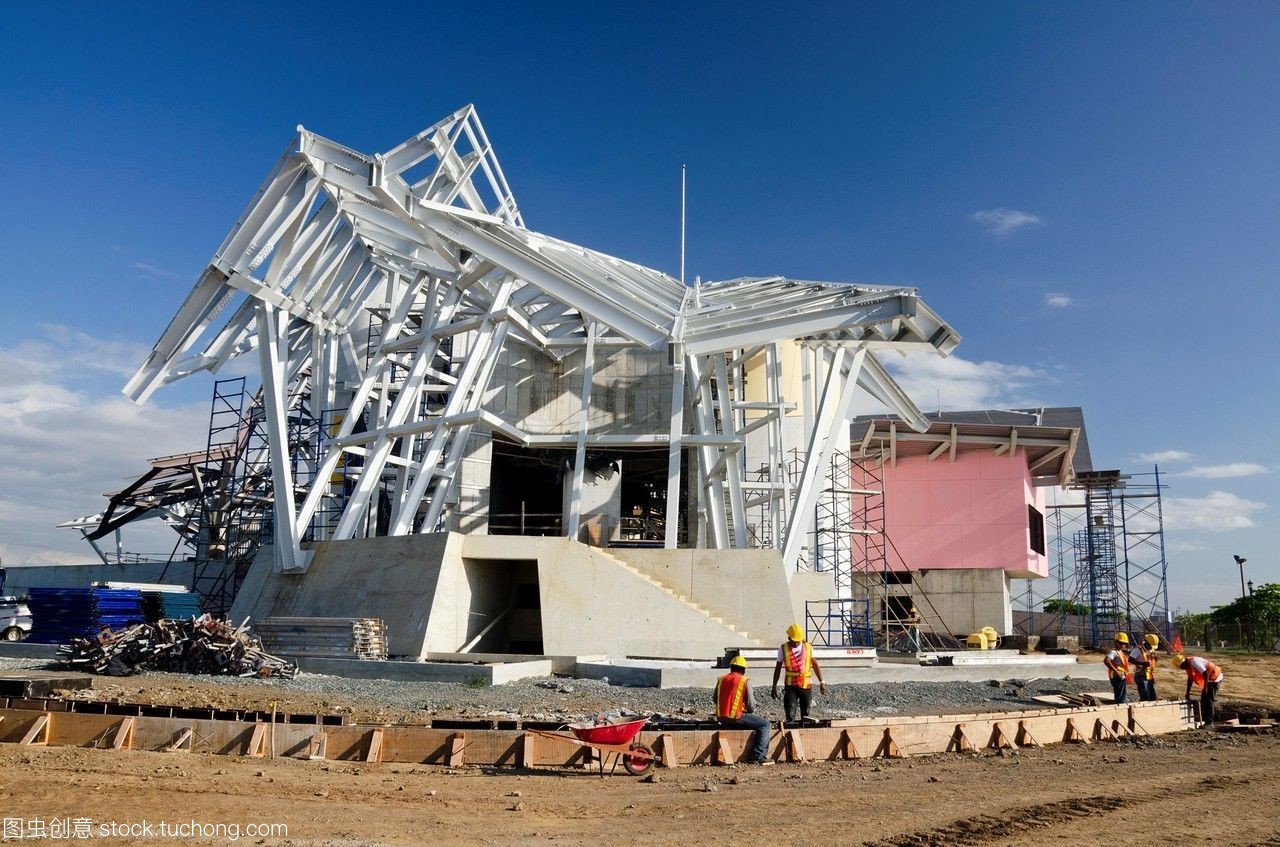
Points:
(1143, 657)
(1117, 662)
(736, 706)
(796, 657)
(1205, 674)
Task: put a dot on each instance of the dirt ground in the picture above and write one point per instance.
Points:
(1197, 788)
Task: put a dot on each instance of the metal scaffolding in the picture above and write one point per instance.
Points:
(1107, 566)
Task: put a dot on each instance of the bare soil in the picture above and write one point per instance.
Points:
(1193, 788)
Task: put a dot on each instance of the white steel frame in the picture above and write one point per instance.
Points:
(430, 235)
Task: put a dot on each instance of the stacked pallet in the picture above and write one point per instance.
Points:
(61, 614)
(329, 638)
(203, 645)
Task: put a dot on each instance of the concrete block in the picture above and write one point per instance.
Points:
(495, 674)
(27, 650)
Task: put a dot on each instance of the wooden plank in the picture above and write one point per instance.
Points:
(845, 747)
(318, 747)
(1102, 732)
(722, 754)
(124, 735)
(457, 743)
(1072, 734)
(39, 728)
(257, 741)
(528, 749)
(374, 751)
(794, 745)
(667, 753)
(888, 748)
(182, 742)
(960, 742)
(1000, 741)
(1023, 736)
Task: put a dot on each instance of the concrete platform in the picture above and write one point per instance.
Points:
(559, 664)
(27, 650)
(655, 674)
(475, 674)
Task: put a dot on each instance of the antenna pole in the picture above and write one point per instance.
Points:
(682, 185)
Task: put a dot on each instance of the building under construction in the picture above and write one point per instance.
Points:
(499, 441)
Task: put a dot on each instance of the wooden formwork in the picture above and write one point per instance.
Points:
(854, 738)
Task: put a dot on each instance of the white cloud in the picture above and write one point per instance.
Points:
(1058, 300)
(962, 383)
(1218, 511)
(154, 271)
(69, 436)
(1002, 221)
(1229, 471)
(1186, 546)
(1165, 456)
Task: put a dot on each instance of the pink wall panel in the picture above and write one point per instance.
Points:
(971, 513)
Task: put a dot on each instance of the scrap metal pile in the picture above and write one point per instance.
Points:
(203, 645)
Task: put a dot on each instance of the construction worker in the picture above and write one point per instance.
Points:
(735, 708)
(913, 628)
(795, 656)
(1205, 674)
(1143, 658)
(1117, 662)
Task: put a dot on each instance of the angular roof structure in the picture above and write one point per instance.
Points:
(429, 235)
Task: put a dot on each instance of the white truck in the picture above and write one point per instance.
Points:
(15, 619)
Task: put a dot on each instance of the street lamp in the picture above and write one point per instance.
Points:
(1244, 599)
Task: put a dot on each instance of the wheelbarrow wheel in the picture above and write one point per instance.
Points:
(639, 761)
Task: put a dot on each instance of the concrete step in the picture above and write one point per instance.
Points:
(676, 595)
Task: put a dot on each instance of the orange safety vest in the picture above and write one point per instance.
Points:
(798, 669)
(1212, 673)
(731, 691)
(1120, 670)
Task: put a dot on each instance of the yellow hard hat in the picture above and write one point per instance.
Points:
(738, 662)
(1179, 660)
(1122, 637)
(1152, 639)
(795, 633)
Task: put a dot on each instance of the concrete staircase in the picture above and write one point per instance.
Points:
(745, 637)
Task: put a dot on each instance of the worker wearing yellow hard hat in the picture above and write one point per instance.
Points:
(795, 656)
(1143, 659)
(736, 706)
(1117, 663)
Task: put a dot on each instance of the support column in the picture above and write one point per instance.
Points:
(584, 421)
(674, 445)
(273, 341)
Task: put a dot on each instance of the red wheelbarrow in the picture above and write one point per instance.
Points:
(615, 741)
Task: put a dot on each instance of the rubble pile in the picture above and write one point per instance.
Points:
(203, 645)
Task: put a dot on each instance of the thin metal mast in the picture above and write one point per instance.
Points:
(683, 168)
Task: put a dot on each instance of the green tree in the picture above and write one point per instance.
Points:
(1065, 607)
(1264, 614)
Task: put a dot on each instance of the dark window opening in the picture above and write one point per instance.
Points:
(1035, 523)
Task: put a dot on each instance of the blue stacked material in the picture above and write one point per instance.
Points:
(60, 614)
(171, 605)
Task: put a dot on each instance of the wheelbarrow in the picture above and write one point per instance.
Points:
(615, 741)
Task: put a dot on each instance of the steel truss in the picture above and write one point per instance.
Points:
(426, 242)
(1107, 560)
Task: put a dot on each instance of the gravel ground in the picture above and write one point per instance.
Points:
(543, 699)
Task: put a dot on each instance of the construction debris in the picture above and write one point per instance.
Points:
(203, 645)
(340, 638)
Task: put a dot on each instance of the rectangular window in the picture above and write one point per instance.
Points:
(1035, 523)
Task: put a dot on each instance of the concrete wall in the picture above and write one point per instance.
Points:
(967, 599)
(971, 513)
(399, 579)
(747, 588)
(21, 577)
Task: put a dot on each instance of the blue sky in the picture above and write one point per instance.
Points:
(1088, 192)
